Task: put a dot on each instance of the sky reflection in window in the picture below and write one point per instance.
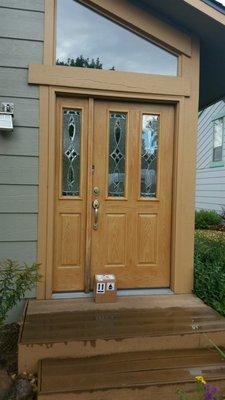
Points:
(104, 44)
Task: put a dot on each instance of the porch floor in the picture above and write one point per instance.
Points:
(82, 319)
(134, 375)
(137, 348)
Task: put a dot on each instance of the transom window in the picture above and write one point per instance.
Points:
(218, 139)
(90, 40)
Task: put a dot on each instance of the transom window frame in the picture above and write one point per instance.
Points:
(133, 18)
(93, 6)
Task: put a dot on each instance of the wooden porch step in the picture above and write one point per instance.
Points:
(79, 329)
(133, 376)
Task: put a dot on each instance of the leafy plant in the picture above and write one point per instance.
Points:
(209, 274)
(202, 391)
(223, 213)
(15, 281)
(82, 62)
(206, 218)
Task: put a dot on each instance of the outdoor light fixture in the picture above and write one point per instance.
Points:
(6, 117)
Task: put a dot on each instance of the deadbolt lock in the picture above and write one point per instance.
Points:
(96, 190)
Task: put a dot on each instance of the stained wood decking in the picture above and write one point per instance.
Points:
(140, 348)
(83, 320)
(81, 328)
(135, 375)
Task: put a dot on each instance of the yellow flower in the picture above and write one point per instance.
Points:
(200, 379)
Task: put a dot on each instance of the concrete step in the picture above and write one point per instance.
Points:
(133, 376)
(57, 329)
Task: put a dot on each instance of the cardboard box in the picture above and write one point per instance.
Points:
(105, 290)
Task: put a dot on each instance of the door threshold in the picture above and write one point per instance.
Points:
(120, 293)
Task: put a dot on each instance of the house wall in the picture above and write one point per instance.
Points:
(210, 182)
(21, 43)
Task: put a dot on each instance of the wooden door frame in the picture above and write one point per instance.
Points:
(181, 91)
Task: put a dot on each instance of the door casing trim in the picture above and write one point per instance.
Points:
(186, 119)
(48, 98)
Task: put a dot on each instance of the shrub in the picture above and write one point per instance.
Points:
(15, 281)
(205, 218)
(209, 275)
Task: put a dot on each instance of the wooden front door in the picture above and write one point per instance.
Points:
(129, 198)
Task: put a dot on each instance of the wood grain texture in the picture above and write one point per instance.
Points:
(147, 245)
(130, 370)
(184, 183)
(119, 323)
(20, 53)
(50, 32)
(107, 80)
(29, 28)
(72, 82)
(42, 193)
(49, 163)
(70, 211)
(130, 241)
(70, 226)
(116, 233)
(87, 272)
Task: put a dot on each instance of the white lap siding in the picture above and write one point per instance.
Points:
(210, 182)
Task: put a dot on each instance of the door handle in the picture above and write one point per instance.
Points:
(96, 206)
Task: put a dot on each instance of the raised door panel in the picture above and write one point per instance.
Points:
(147, 239)
(116, 240)
(70, 239)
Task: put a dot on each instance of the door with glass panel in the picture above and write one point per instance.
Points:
(132, 158)
(70, 194)
(129, 199)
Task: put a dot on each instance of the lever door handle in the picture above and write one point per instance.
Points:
(96, 206)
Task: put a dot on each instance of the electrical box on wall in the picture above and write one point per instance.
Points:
(6, 118)
(105, 290)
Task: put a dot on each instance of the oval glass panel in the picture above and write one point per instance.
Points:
(71, 152)
(149, 155)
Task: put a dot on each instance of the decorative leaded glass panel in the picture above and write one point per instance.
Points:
(71, 152)
(149, 155)
(117, 149)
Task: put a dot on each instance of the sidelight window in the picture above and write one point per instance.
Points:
(71, 152)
